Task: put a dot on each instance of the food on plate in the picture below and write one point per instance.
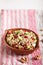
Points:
(21, 39)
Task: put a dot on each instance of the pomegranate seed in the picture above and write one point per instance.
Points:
(15, 36)
(25, 37)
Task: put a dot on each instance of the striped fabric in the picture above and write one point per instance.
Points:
(17, 19)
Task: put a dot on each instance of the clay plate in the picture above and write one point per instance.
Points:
(21, 51)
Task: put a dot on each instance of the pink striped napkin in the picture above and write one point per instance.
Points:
(17, 19)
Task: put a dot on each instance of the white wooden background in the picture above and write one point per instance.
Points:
(21, 4)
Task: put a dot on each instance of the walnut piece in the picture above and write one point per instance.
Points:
(37, 57)
(23, 59)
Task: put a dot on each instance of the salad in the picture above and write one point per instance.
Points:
(21, 39)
